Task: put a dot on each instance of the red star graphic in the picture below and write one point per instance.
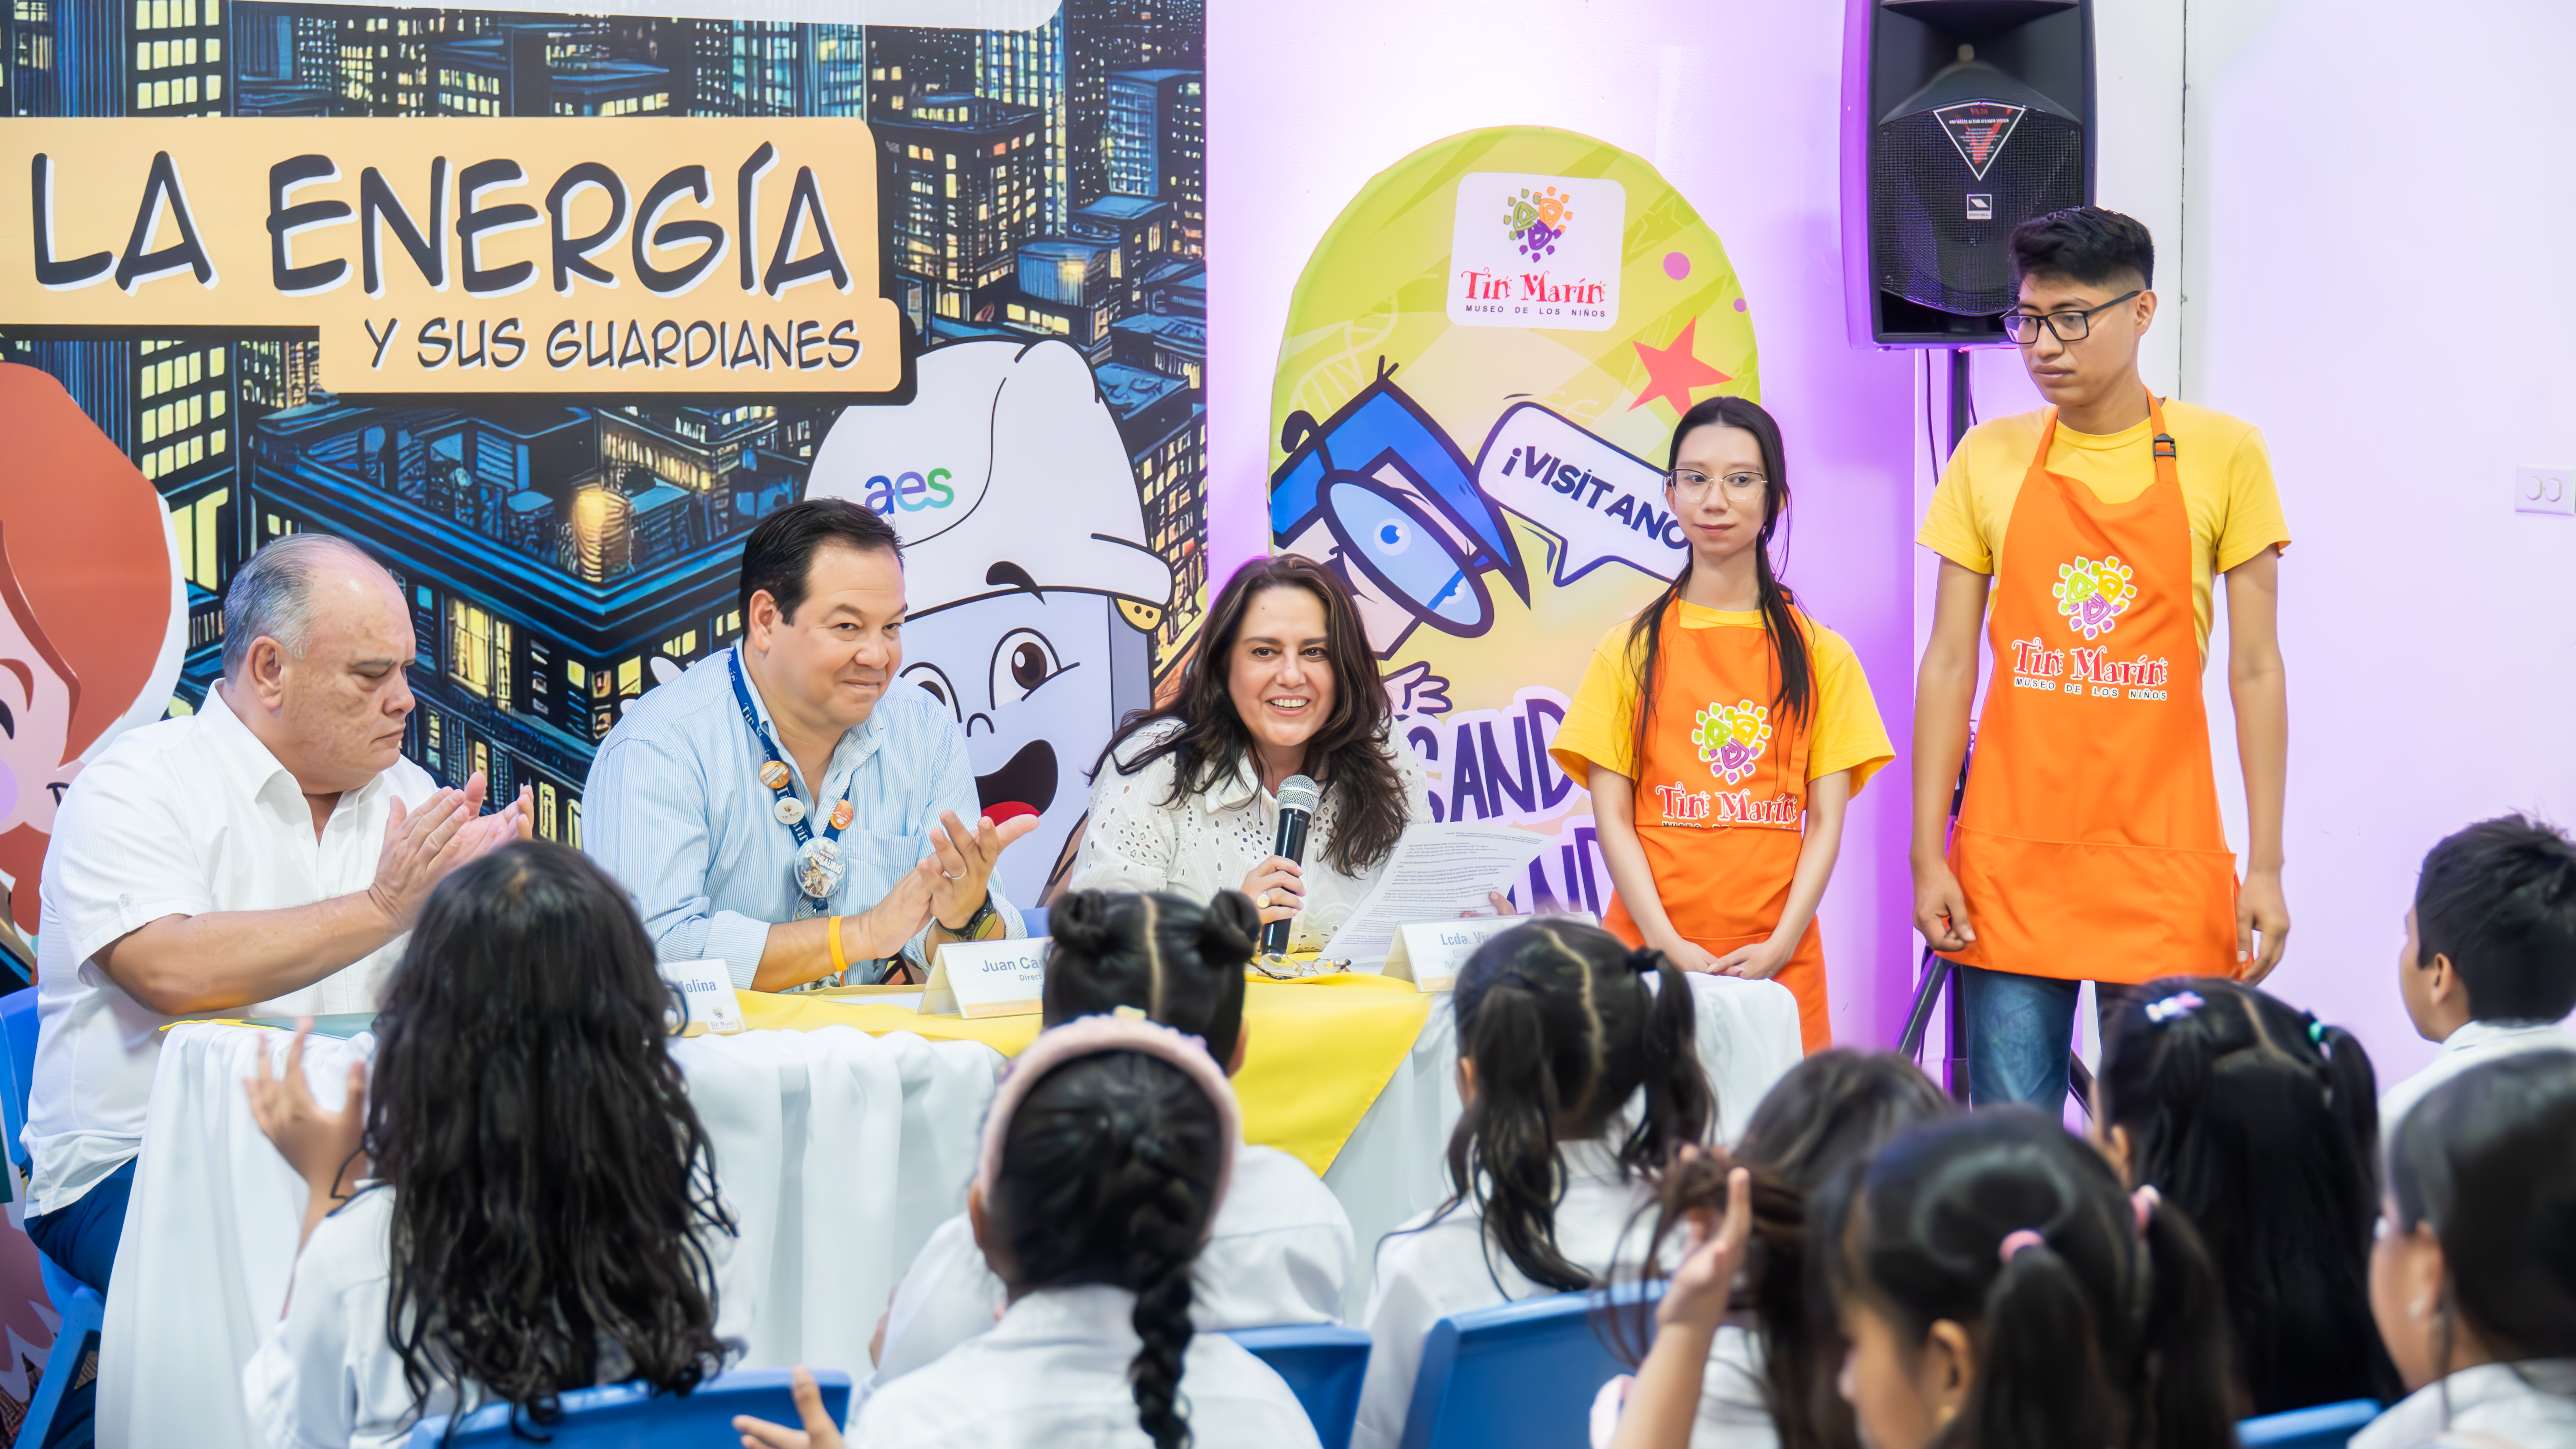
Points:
(1672, 372)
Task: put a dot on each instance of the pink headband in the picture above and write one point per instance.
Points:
(1090, 1036)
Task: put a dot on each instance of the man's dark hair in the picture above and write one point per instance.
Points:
(2084, 244)
(779, 555)
(2499, 899)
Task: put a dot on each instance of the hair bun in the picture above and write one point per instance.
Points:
(1230, 929)
(1081, 922)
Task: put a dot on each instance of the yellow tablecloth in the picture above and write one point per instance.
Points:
(1317, 1052)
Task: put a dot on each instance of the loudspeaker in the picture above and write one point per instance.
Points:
(1961, 119)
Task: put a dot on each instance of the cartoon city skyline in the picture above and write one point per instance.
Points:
(564, 555)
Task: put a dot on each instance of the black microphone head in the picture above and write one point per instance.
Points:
(1299, 794)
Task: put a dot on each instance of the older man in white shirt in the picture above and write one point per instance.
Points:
(267, 853)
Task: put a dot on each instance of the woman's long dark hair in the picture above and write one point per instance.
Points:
(1830, 1111)
(2488, 1161)
(1179, 962)
(2262, 1126)
(1108, 1175)
(1563, 1029)
(551, 1181)
(1347, 756)
(2109, 1330)
(1796, 696)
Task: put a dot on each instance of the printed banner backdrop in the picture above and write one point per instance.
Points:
(546, 311)
(1483, 365)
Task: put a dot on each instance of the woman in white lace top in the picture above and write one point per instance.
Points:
(1186, 797)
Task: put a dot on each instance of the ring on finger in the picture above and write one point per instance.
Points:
(954, 875)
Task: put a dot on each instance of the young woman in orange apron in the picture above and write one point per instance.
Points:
(1722, 733)
(2089, 847)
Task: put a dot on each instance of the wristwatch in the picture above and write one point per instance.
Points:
(974, 922)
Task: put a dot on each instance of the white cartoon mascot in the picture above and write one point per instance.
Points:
(1009, 484)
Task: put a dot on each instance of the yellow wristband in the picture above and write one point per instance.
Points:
(840, 963)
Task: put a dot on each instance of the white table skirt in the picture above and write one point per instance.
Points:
(839, 1151)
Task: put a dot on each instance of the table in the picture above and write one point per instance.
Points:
(840, 1149)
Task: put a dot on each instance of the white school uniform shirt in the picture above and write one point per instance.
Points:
(1278, 1253)
(2528, 1405)
(181, 818)
(1053, 1375)
(1731, 1414)
(2474, 1044)
(1437, 1265)
(327, 1376)
(1210, 842)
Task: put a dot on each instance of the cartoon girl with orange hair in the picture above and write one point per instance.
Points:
(93, 613)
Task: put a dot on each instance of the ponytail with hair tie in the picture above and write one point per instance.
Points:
(1230, 931)
(1563, 1031)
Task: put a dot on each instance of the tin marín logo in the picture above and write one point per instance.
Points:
(1535, 221)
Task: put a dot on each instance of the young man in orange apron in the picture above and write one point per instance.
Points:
(2089, 846)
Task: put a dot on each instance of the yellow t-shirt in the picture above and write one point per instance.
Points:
(1601, 722)
(2226, 479)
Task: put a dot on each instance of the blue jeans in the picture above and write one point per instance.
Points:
(2020, 1030)
(81, 1236)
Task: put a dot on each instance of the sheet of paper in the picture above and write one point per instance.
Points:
(1438, 873)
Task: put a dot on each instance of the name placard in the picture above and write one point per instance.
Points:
(1430, 954)
(706, 992)
(987, 978)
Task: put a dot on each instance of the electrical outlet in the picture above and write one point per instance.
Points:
(2544, 490)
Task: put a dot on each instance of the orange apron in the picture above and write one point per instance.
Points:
(2089, 847)
(1721, 801)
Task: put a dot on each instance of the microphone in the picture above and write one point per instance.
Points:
(1297, 799)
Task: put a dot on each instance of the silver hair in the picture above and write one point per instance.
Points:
(271, 596)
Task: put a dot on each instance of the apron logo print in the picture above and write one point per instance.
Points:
(1731, 737)
(2094, 595)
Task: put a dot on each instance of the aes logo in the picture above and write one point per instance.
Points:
(911, 492)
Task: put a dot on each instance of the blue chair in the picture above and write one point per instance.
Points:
(632, 1416)
(81, 1308)
(1035, 919)
(1520, 1373)
(2327, 1426)
(1324, 1364)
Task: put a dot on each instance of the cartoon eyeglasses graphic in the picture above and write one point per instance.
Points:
(1399, 513)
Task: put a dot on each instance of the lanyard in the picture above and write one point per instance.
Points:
(819, 870)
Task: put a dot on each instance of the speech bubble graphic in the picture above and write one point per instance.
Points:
(1605, 502)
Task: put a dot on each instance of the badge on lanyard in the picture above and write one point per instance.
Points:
(819, 869)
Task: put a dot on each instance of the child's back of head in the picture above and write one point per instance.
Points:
(1106, 1168)
(2487, 1165)
(551, 1181)
(1177, 961)
(2261, 1125)
(1560, 1030)
(1993, 1276)
(1829, 1112)
(2498, 900)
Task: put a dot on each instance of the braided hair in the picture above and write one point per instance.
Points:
(2262, 1125)
(1109, 1174)
(1179, 962)
(1562, 1029)
(2096, 1318)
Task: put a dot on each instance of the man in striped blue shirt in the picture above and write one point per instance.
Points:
(786, 806)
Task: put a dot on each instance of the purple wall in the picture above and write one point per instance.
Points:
(1737, 103)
